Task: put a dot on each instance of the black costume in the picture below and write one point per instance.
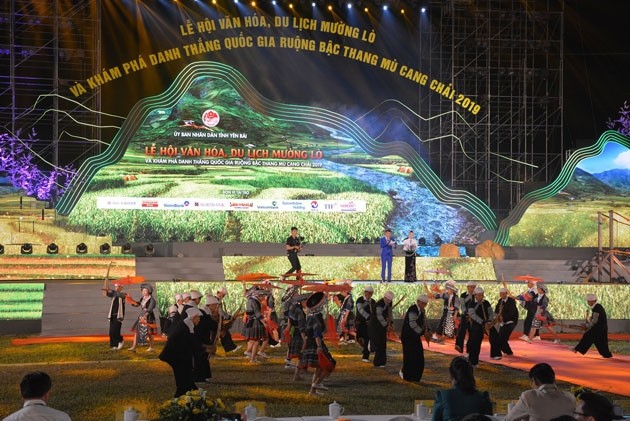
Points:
(292, 254)
(466, 300)
(480, 314)
(179, 352)
(364, 308)
(377, 329)
(205, 332)
(508, 313)
(596, 333)
(411, 336)
(531, 307)
(116, 315)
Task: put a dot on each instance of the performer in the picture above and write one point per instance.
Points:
(410, 246)
(526, 300)
(378, 326)
(172, 317)
(180, 350)
(294, 246)
(507, 318)
(297, 327)
(144, 326)
(345, 321)
(543, 317)
(388, 244)
(254, 329)
(314, 344)
(364, 305)
(287, 304)
(116, 314)
(450, 311)
(596, 329)
(481, 321)
(414, 329)
(226, 319)
(206, 333)
(466, 300)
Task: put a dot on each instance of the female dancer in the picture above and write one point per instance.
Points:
(144, 326)
(543, 318)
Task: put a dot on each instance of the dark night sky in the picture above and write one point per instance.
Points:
(597, 66)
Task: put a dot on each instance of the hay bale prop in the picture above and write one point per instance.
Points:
(490, 249)
(449, 250)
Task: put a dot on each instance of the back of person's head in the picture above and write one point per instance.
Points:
(597, 406)
(35, 385)
(542, 374)
(479, 417)
(462, 374)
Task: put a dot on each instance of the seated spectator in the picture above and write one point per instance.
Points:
(463, 398)
(35, 390)
(544, 401)
(595, 407)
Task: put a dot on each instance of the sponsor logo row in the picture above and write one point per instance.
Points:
(149, 203)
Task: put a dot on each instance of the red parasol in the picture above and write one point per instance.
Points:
(299, 282)
(264, 285)
(528, 278)
(128, 280)
(328, 288)
(298, 275)
(256, 276)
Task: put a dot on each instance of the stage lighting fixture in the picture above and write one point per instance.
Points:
(422, 241)
(52, 248)
(105, 248)
(82, 248)
(349, 6)
(423, 10)
(385, 7)
(437, 240)
(26, 248)
(149, 250)
(126, 249)
(1, 248)
(351, 240)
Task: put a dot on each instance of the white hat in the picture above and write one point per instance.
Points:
(422, 298)
(211, 299)
(194, 294)
(389, 295)
(451, 285)
(369, 289)
(503, 290)
(543, 287)
(178, 297)
(471, 283)
(591, 297)
(478, 290)
(222, 290)
(185, 295)
(192, 312)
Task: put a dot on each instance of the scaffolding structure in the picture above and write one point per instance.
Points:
(45, 47)
(505, 58)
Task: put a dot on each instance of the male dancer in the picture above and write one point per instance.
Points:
(481, 317)
(387, 255)
(414, 328)
(596, 329)
(224, 332)
(378, 327)
(466, 300)
(508, 317)
(116, 314)
(294, 246)
(364, 305)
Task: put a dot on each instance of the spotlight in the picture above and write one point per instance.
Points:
(385, 7)
(105, 248)
(126, 249)
(423, 10)
(26, 248)
(349, 5)
(1, 248)
(422, 241)
(329, 7)
(313, 4)
(437, 240)
(149, 250)
(52, 248)
(82, 248)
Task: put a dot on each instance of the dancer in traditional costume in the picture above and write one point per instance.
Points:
(527, 301)
(116, 314)
(345, 321)
(481, 322)
(543, 318)
(507, 318)
(378, 326)
(254, 329)
(206, 334)
(226, 319)
(414, 329)
(450, 312)
(144, 326)
(364, 305)
(297, 328)
(596, 329)
(466, 300)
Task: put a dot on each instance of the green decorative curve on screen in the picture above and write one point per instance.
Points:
(290, 113)
(503, 234)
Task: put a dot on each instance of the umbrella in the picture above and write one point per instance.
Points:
(265, 286)
(298, 275)
(528, 278)
(256, 276)
(298, 282)
(128, 280)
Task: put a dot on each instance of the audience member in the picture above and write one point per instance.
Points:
(463, 398)
(35, 390)
(544, 401)
(595, 407)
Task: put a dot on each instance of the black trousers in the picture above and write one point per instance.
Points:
(295, 262)
(183, 372)
(362, 333)
(114, 332)
(527, 323)
(202, 370)
(475, 337)
(378, 338)
(227, 342)
(504, 337)
(464, 327)
(598, 338)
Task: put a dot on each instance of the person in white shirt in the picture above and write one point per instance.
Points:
(410, 245)
(35, 390)
(545, 400)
